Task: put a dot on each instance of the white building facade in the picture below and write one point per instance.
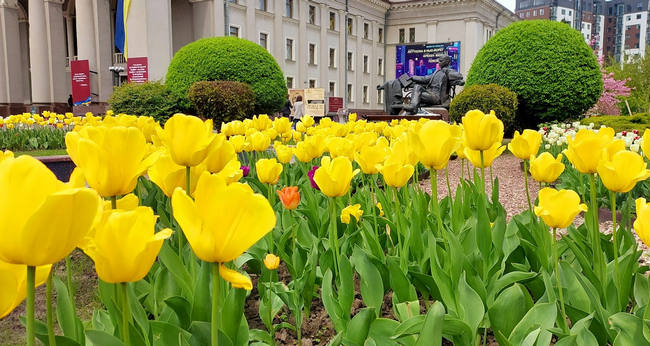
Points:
(38, 39)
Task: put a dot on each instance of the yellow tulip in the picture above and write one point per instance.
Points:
(268, 171)
(220, 153)
(238, 142)
(474, 156)
(371, 158)
(558, 208)
(586, 149)
(44, 218)
(284, 153)
(341, 147)
(259, 141)
(13, 284)
(334, 176)
(282, 125)
(168, 175)
(7, 154)
(642, 222)
(237, 279)
(481, 130)
(124, 246)
(307, 121)
(621, 170)
(351, 210)
(381, 209)
(646, 143)
(434, 142)
(544, 168)
(231, 173)
(127, 202)
(110, 158)
(271, 261)
(396, 172)
(187, 138)
(243, 218)
(526, 144)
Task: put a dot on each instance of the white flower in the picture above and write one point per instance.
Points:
(547, 147)
(634, 147)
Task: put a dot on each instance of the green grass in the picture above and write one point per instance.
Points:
(42, 152)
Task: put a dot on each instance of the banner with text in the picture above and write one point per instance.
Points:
(80, 79)
(422, 59)
(137, 70)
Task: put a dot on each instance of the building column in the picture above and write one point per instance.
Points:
(202, 18)
(50, 82)
(372, 60)
(94, 44)
(325, 49)
(70, 36)
(303, 44)
(432, 31)
(277, 38)
(149, 34)
(471, 43)
(219, 13)
(23, 28)
(357, 75)
(11, 82)
(249, 31)
(343, 56)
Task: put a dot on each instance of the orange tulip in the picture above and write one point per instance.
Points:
(290, 197)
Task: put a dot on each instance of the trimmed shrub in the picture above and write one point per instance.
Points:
(486, 98)
(548, 64)
(151, 98)
(621, 122)
(222, 101)
(228, 59)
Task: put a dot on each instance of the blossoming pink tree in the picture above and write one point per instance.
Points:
(612, 90)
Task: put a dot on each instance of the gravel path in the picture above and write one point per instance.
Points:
(512, 192)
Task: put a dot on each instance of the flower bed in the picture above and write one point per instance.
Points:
(187, 242)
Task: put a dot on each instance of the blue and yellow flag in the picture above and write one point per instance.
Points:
(122, 12)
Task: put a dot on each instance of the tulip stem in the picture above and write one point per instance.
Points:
(483, 171)
(434, 200)
(31, 278)
(530, 206)
(612, 197)
(126, 314)
(334, 236)
(447, 177)
(113, 202)
(374, 203)
(214, 322)
(462, 168)
(50, 313)
(556, 262)
(595, 232)
(403, 255)
(68, 274)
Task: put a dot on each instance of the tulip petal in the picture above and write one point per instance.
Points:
(237, 279)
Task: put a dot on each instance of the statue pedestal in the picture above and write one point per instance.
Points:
(443, 112)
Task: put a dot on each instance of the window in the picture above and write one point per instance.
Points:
(402, 36)
(521, 15)
(534, 13)
(312, 14)
(350, 27)
(288, 12)
(380, 35)
(234, 31)
(380, 66)
(570, 12)
(528, 14)
(289, 53)
(312, 83)
(411, 34)
(290, 82)
(541, 11)
(332, 21)
(262, 5)
(380, 96)
(332, 88)
(365, 94)
(563, 12)
(638, 16)
(349, 94)
(332, 58)
(264, 39)
(365, 64)
(312, 54)
(366, 30)
(350, 61)
(628, 18)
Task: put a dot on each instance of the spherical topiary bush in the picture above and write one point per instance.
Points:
(228, 59)
(548, 64)
(222, 101)
(486, 98)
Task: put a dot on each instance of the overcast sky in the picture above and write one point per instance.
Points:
(510, 4)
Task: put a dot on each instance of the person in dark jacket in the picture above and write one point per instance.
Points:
(286, 110)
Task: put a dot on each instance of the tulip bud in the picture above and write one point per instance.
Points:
(271, 261)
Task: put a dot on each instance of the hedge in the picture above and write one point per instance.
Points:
(151, 98)
(486, 98)
(228, 59)
(548, 64)
(621, 122)
(222, 101)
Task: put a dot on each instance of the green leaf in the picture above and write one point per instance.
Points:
(542, 315)
(65, 311)
(509, 308)
(201, 304)
(381, 331)
(431, 334)
(472, 309)
(173, 263)
(346, 290)
(359, 327)
(331, 303)
(402, 288)
(182, 308)
(232, 313)
(372, 287)
(483, 229)
(167, 334)
(630, 330)
(200, 333)
(100, 338)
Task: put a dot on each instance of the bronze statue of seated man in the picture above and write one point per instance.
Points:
(434, 89)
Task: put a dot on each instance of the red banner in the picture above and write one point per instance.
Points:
(80, 78)
(334, 104)
(137, 70)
